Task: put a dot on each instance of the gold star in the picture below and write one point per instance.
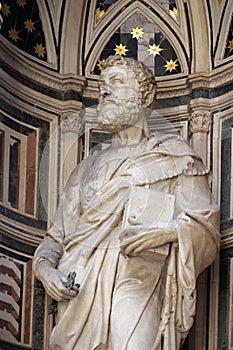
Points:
(137, 32)
(5, 9)
(13, 34)
(100, 64)
(219, 1)
(21, 3)
(174, 13)
(40, 50)
(99, 14)
(121, 49)
(29, 25)
(171, 65)
(154, 50)
(230, 46)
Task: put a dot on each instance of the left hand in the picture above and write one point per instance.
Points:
(136, 239)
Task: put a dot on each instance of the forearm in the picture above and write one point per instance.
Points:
(142, 237)
(47, 255)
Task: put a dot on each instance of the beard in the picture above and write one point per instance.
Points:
(114, 116)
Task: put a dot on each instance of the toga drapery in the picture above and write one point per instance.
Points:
(131, 301)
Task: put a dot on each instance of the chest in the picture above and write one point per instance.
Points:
(102, 169)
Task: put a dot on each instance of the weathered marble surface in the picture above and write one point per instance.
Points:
(137, 224)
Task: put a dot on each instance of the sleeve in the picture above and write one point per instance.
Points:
(197, 222)
(198, 244)
(51, 248)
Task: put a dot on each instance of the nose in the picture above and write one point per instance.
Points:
(104, 90)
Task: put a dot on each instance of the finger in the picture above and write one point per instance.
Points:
(76, 288)
(63, 278)
(67, 293)
(53, 294)
(59, 296)
(139, 245)
(60, 293)
(128, 250)
(147, 243)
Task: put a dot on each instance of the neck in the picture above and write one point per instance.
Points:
(132, 135)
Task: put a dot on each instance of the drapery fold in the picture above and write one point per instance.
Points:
(87, 237)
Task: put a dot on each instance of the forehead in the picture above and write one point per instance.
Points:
(116, 71)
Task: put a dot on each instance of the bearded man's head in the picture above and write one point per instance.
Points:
(127, 89)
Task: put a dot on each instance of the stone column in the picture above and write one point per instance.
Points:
(200, 121)
(71, 129)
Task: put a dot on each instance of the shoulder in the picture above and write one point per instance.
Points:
(175, 147)
(79, 172)
(173, 144)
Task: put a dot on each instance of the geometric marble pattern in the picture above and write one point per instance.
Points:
(15, 298)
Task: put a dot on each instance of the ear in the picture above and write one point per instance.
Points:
(148, 98)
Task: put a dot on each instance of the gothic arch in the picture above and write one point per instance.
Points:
(222, 36)
(94, 28)
(216, 9)
(112, 21)
(48, 32)
(200, 34)
(72, 37)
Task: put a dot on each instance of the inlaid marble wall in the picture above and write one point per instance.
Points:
(16, 297)
(22, 298)
(43, 136)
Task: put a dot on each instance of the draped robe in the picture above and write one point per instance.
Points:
(127, 301)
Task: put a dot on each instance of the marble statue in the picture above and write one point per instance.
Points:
(135, 226)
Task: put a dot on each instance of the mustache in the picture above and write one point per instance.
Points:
(104, 100)
(118, 100)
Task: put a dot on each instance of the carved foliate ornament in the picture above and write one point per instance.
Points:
(200, 121)
(71, 122)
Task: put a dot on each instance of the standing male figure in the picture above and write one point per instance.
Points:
(136, 223)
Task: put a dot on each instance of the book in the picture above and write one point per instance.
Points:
(149, 208)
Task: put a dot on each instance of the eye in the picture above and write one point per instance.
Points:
(117, 81)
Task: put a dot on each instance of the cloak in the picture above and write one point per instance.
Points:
(129, 299)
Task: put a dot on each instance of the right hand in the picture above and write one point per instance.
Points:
(54, 283)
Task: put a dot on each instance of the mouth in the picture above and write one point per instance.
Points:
(106, 100)
(106, 105)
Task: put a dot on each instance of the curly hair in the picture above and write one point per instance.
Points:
(144, 76)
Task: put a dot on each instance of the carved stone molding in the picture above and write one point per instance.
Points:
(200, 121)
(169, 88)
(21, 232)
(41, 73)
(71, 122)
(218, 77)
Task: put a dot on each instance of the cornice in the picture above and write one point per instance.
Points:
(31, 101)
(227, 239)
(69, 86)
(91, 90)
(216, 78)
(24, 66)
(180, 85)
(20, 232)
(174, 86)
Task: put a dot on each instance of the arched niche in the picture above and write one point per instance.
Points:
(113, 20)
(221, 43)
